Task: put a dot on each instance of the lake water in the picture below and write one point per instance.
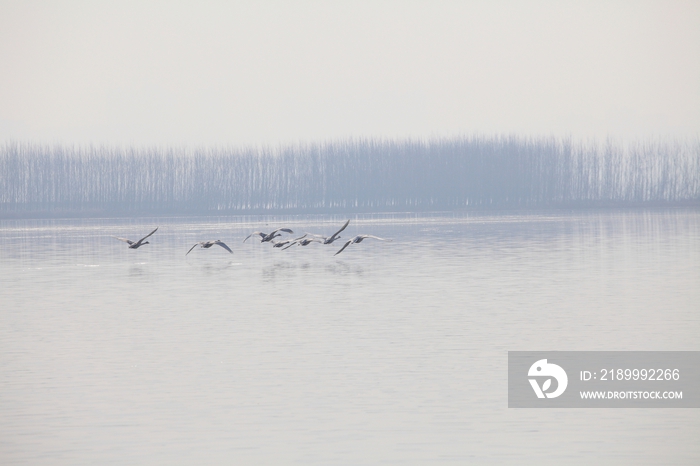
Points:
(389, 353)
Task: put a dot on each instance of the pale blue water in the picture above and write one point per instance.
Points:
(389, 353)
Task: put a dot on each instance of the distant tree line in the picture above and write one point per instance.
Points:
(350, 175)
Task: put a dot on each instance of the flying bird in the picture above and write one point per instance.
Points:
(208, 244)
(330, 239)
(287, 242)
(268, 237)
(359, 239)
(279, 244)
(303, 241)
(137, 244)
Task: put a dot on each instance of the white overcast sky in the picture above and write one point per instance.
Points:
(241, 73)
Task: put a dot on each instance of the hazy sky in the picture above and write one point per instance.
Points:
(266, 72)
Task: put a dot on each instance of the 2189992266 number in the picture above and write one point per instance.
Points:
(640, 374)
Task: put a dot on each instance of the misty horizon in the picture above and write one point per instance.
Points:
(346, 176)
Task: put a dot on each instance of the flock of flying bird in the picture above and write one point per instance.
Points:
(305, 240)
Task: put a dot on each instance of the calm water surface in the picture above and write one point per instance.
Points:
(389, 353)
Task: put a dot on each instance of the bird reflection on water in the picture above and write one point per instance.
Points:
(341, 268)
(282, 270)
(212, 268)
(137, 271)
(286, 270)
